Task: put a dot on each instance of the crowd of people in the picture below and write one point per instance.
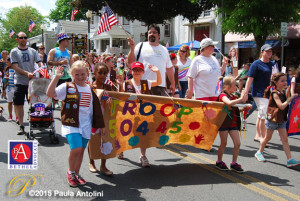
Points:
(149, 69)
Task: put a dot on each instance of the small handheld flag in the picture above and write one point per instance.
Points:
(74, 12)
(108, 19)
(31, 25)
(11, 33)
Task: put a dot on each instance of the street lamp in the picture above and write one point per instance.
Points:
(42, 27)
(89, 15)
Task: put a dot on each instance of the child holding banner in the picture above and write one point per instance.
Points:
(138, 86)
(80, 111)
(231, 125)
(277, 117)
(100, 71)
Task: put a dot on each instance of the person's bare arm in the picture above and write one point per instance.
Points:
(19, 70)
(131, 56)
(247, 87)
(189, 92)
(51, 62)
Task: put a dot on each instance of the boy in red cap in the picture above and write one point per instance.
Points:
(138, 86)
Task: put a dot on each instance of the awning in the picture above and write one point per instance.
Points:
(201, 21)
(252, 44)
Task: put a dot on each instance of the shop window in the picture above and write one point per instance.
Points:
(167, 30)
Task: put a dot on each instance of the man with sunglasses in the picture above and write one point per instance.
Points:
(22, 59)
(152, 53)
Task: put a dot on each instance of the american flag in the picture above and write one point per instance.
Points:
(85, 99)
(167, 45)
(108, 19)
(74, 12)
(44, 72)
(11, 33)
(39, 107)
(109, 82)
(31, 25)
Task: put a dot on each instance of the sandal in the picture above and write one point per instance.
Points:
(121, 156)
(92, 168)
(106, 172)
(144, 161)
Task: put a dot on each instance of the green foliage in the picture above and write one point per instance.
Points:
(261, 18)
(18, 19)
(63, 11)
(149, 11)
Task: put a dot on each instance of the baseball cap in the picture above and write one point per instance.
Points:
(137, 65)
(62, 36)
(172, 55)
(265, 47)
(207, 42)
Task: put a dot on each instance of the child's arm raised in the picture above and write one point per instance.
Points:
(51, 88)
(120, 81)
(281, 105)
(158, 76)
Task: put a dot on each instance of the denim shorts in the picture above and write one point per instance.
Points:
(274, 126)
(76, 140)
(229, 129)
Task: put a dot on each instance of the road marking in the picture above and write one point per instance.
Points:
(253, 179)
(227, 176)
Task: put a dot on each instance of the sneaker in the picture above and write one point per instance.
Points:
(144, 161)
(21, 131)
(236, 167)
(80, 180)
(72, 180)
(292, 162)
(260, 157)
(221, 165)
(10, 118)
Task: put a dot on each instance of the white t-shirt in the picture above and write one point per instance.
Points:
(183, 69)
(293, 79)
(206, 72)
(85, 110)
(154, 55)
(138, 89)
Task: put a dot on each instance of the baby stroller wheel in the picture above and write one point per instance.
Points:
(53, 138)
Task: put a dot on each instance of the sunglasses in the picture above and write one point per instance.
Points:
(100, 73)
(183, 51)
(23, 37)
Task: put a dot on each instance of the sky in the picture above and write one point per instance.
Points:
(43, 6)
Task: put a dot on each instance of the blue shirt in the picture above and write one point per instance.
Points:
(261, 73)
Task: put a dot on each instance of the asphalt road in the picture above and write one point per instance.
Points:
(177, 172)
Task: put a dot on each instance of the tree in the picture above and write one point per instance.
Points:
(18, 19)
(261, 18)
(149, 11)
(63, 11)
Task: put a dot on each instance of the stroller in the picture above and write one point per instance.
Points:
(41, 109)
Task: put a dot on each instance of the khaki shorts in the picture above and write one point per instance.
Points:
(262, 106)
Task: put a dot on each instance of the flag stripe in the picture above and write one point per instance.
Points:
(108, 19)
(85, 99)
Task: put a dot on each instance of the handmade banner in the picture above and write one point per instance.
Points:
(293, 123)
(134, 120)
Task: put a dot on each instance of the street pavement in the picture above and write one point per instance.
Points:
(177, 172)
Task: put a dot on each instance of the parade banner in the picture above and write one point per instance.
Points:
(135, 120)
(293, 123)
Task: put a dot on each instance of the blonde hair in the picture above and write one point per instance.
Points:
(78, 64)
(187, 49)
(228, 81)
(75, 57)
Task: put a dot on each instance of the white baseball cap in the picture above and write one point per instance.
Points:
(207, 42)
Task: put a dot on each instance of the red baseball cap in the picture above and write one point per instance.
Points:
(137, 65)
